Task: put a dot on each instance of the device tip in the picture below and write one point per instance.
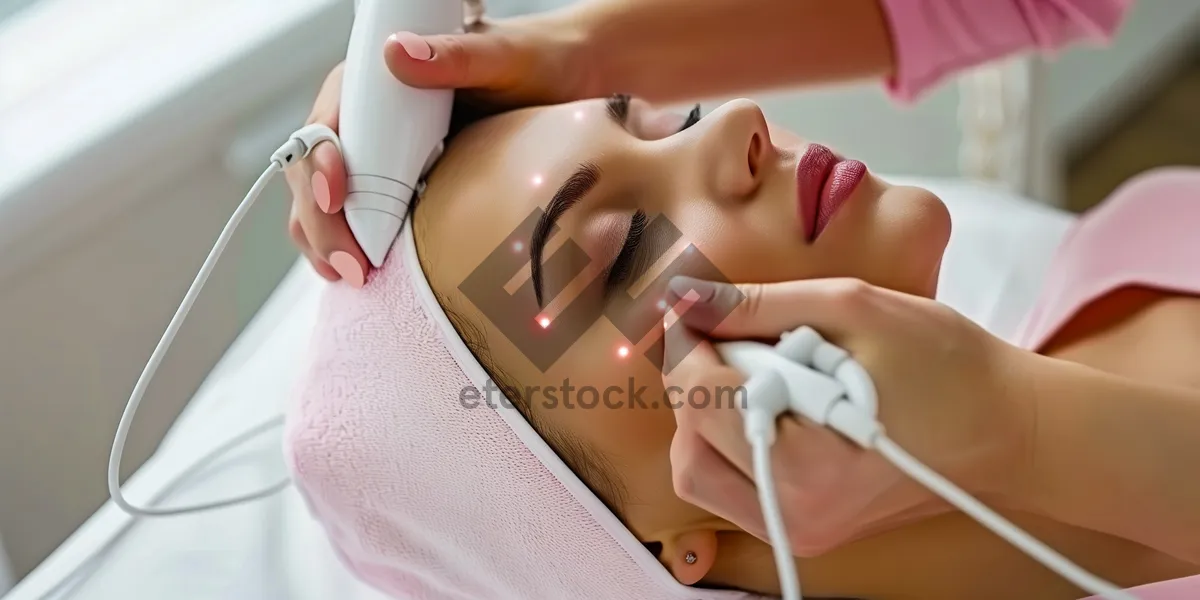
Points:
(375, 232)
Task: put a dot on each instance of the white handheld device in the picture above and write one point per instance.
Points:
(391, 134)
(806, 375)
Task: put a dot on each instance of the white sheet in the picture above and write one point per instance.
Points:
(272, 549)
(264, 550)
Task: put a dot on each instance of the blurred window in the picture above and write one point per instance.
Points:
(12, 7)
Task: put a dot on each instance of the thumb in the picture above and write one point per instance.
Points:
(767, 310)
(470, 60)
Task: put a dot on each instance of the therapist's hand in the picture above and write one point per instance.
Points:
(510, 63)
(948, 393)
(513, 62)
(317, 225)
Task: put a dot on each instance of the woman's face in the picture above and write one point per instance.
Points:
(745, 195)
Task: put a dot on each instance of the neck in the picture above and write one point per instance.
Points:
(747, 563)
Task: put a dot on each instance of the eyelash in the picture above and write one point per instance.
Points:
(618, 107)
(692, 118)
(621, 269)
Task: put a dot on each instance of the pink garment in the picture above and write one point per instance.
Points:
(1147, 234)
(936, 38)
(428, 500)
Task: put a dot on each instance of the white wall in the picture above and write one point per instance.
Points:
(78, 320)
(77, 325)
(6, 576)
(78, 328)
(1088, 88)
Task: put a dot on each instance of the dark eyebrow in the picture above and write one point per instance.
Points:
(569, 194)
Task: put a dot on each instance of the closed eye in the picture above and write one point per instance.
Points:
(618, 106)
(622, 268)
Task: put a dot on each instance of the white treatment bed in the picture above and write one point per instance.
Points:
(273, 549)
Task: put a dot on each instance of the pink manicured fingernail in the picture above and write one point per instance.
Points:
(320, 190)
(413, 45)
(670, 318)
(681, 286)
(347, 267)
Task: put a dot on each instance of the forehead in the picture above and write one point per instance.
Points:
(495, 175)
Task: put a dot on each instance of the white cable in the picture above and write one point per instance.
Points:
(854, 417)
(76, 575)
(785, 563)
(114, 458)
(295, 149)
(998, 524)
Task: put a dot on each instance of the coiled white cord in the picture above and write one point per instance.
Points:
(768, 397)
(298, 146)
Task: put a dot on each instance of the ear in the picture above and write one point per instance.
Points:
(698, 544)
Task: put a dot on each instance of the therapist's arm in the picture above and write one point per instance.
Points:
(1117, 456)
(675, 50)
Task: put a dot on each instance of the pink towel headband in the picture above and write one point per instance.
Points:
(426, 499)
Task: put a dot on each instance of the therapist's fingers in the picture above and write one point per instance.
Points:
(704, 393)
(519, 61)
(703, 477)
(466, 60)
(300, 240)
(328, 181)
(331, 239)
(316, 183)
(327, 106)
(733, 311)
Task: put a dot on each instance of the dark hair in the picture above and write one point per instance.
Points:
(590, 465)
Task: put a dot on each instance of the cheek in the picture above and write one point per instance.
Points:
(618, 395)
(755, 243)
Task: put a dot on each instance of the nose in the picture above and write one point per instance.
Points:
(736, 145)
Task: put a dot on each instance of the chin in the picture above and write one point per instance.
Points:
(923, 238)
(936, 226)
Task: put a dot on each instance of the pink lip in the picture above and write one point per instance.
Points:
(824, 182)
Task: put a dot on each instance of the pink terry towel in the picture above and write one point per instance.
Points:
(428, 500)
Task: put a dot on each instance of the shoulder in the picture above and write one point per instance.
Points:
(1145, 234)
(1159, 201)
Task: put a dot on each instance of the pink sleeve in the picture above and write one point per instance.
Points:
(934, 38)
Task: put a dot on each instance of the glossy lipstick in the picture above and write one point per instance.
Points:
(824, 182)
